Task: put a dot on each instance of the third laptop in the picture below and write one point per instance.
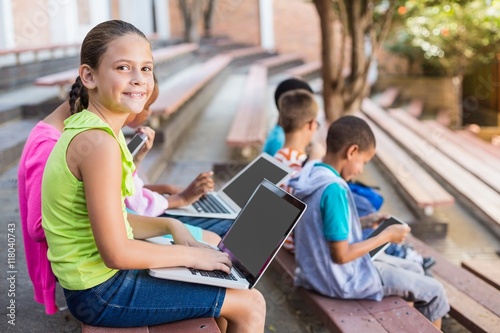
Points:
(227, 202)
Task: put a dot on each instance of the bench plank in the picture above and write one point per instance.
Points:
(392, 314)
(467, 311)
(419, 186)
(415, 107)
(171, 52)
(202, 325)
(305, 70)
(466, 143)
(439, 140)
(474, 303)
(160, 55)
(480, 143)
(480, 197)
(249, 122)
(170, 101)
(487, 270)
(388, 97)
(280, 60)
(245, 52)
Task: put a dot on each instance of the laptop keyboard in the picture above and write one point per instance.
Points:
(209, 204)
(215, 274)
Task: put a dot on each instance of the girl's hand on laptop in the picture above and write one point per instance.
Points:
(210, 260)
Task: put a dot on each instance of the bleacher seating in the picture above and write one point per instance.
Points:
(474, 303)
(248, 129)
(486, 270)
(201, 325)
(306, 71)
(439, 140)
(475, 194)
(249, 123)
(392, 314)
(65, 78)
(421, 190)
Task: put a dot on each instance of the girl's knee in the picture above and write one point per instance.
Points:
(256, 300)
(244, 301)
(259, 299)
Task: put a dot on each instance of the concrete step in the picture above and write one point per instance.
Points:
(8, 179)
(9, 112)
(13, 135)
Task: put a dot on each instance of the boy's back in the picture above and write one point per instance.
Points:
(355, 279)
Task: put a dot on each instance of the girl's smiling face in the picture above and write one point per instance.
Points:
(124, 78)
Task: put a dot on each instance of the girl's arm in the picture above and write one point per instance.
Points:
(164, 188)
(100, 170)
(343, 252)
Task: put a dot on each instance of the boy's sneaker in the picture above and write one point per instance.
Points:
(428, 262)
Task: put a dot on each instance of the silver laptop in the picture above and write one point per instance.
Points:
(255, 237)
(226, 203)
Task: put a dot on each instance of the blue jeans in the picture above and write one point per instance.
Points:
(133, 298)
(219, 226)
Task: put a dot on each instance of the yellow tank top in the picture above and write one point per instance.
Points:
(72, 252)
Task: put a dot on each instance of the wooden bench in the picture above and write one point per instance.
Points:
(247, 130)
(414, 183)
(481, 199)
(440, 140)
(474, 303)
(486, 270)
(66, 78)
(280, 62)
(201, 325)
(415, 108)
(246, 53)
(306, 71)
(189, 93)
(388, 97)
(467, 143)
(392, 314)
(171, 100)
(38, 51)
(487, 147)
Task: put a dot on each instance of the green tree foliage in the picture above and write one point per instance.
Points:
(449, 37)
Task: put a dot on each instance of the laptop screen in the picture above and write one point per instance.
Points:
(242, 186)
(261, 228)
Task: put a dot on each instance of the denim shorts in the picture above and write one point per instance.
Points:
(133, 298)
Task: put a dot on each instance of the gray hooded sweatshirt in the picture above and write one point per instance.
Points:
(357, 279)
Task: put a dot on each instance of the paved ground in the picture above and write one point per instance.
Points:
(286, 313)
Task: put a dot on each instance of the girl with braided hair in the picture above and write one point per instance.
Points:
(95, 247)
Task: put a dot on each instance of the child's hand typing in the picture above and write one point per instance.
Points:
(209, 259)
(203, 184)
